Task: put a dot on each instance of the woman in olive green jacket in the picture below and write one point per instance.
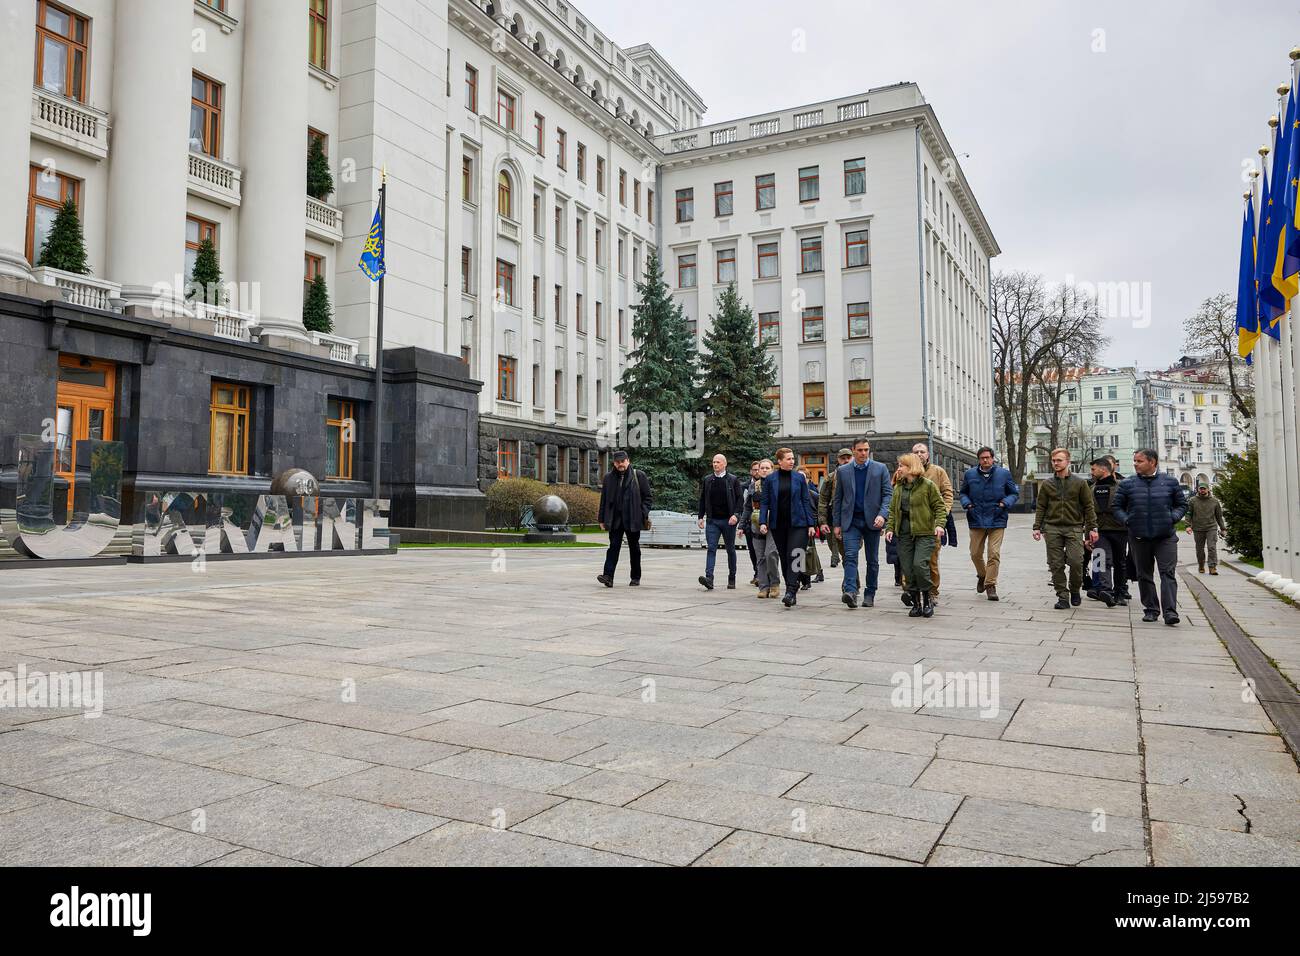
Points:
(917, 517)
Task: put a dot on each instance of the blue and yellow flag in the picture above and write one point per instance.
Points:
(1292, 201)
(1271, 303)
(372, 256)
(1284, 269)
(1247, 298)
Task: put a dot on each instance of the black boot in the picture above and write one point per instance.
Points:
(915, 601)
(789, 600)
(908, 598)
(927, 608)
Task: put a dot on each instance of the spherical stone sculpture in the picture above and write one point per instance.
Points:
(550, 511)
(551, 515)
(295, 482)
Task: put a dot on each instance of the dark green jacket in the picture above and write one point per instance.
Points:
(1205, 514)
(1065, 504)
(926, 510)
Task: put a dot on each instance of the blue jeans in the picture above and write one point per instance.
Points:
(715, 528)
(855, 535)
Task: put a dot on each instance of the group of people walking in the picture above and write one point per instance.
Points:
(1126, 524)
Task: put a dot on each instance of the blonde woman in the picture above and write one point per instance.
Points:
(917, 516)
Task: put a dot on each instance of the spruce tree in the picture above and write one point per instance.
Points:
(316, 307)
(205, 279)
(660, 378)
(320, 181)
(64, 248)
(736, 371)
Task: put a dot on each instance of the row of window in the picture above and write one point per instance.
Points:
(814, 399)
(813, 324)
(508, 390)
(591, 464)
(63, 42)
(230, 410)
(856, 254)
(809, 187)
(506, 116)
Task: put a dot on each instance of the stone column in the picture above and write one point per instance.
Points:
(148, 167)
(273, 140)
(17, 51)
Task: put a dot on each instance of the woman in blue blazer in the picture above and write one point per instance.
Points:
(787, 514)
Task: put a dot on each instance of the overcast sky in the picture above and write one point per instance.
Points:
(1123, 165)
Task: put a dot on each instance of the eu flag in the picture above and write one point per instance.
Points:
(1247, 306)
(1284, 268)
(1271, 303)
(1292, 202)
(372, 257)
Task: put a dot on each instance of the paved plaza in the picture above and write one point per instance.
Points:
(466, 707)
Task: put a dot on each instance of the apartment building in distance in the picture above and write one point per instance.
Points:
(1100, 413)
(1189, 419)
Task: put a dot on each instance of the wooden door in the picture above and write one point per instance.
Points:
(84, 410)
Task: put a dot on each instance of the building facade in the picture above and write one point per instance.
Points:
(851, 232)
(1100, 411)
(1189, 419)
(532, 165)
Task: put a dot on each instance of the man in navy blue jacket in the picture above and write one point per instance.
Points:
(987, 494)
(1150, 504)
(860, 509)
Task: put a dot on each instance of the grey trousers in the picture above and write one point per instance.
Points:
(1150, 554)
(768, 557)
(1203, 540)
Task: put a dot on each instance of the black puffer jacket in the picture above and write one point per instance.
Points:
(1150, 507)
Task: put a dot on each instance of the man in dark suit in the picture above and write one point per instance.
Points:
(859, 511)
(625, 501)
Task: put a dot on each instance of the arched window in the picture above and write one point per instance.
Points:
(503, 194)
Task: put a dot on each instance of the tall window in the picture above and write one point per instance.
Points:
(727, 265)
(860, 398)
(46, 194)
(650, 205)
(579, 319)
(600, 320)
(539, 131)
(622, 189)
(228, 438)
(859, 320)
(507, 458)
(318, 33)
(722, 199)
(814, 400)
(773, 396)
(466, 258)
(312, 266)
(600, 175)
(506, 378)
(636, 196)
(340, 437)
(62, 50)
(855, 176)
(537, 297)
(582, 162)
(467, 179)
(686, 271)
(506, 282)
(559, 225)
(810, 254)
(769, 328)
(809, 184)
(599, 250)
(561, 149)
(622, 327)
(622, 262)
(196, 230)
(765, 191)
(579, 237)
(855, 248)
(685, 205)
(471, 88)
(205, 115)
(539, 223)
(559, 305)
(814, 325)
(503, 194)
(505, 109)
(768, 260)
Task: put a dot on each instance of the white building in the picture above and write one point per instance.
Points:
(1100, 413)
(851, 231)
(1189, 419)
(531, 162)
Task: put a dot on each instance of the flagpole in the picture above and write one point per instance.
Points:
(379, 350)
